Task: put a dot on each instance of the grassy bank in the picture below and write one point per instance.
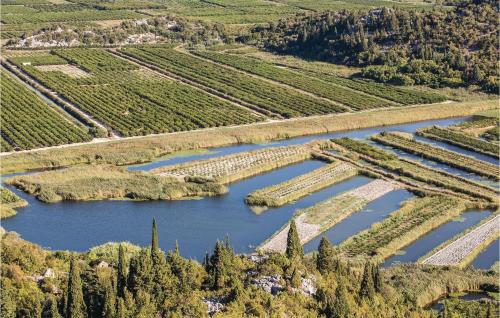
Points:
(296, 188)
(9, 201)
(415, 218)
(145, 149)
(106, 182)
(438, 154)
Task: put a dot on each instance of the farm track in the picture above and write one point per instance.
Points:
(318, 218)
(211, 91)
(457, 252)
(271, 81)
(70, 108)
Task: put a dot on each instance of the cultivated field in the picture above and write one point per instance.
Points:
(438, 154)
(28, 121)
(234, 167)
(313, 221)
(288, 191)
(457, 138)
(458, 251)
(415, 218)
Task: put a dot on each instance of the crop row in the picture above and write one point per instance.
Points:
(457, 251)
(309, 84)
(285, 192)
(28, 122)
(412, 220)
(268, 96)
(438, 154)
(238, 166)
(395, 94)
(74, 16)
(417, 171)
(131, 105)
(318, 218)
(460, 139)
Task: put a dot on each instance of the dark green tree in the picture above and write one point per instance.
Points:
(121, 282)
(51, 310)
(324, 261)
(293, 247)
(75, 306)
(154, 237)
(295, 280)
(121, 309)
(367, 290)
(109, 307)
(341, 306)
(377, 278)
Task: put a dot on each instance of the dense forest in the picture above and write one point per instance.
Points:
(453, 48)
(123, 280)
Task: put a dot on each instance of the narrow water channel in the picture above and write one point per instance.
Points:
(487, 258)
(431, 240)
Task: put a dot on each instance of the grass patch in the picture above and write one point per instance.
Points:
(106, 182)
(9, 201)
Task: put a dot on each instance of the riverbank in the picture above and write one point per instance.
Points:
(137, 150)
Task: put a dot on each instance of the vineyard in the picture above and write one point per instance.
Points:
(314, 220)
(457, 138)
(438, 154)
(230, 168)
(336, 93)
(69, 16)
(412, 220)
(29, 122)
(417, 171)
(132, 105)
(301, 186)
(286, 102)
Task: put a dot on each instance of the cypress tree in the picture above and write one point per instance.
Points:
(52, 311)
(367, 290)
(154, 238)
(75, 305)
(206, 262)
(323, 261)
(109, 308)
(121, 309)
(340, 307)
(295, 280)
(293, 247)
(217, 265)
(377, 279)
(122, 272)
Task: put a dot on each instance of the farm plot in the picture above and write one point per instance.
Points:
(234, 167)
(275, 98)
(70, 16)
(438, 154)
(400, 95)
(67, 69)
(460, 139)
(314, 220)
(28, 122)
(316, 86)
(415, 218)
(285, 192)
(459, 250)
(417, 171)
(133, 105)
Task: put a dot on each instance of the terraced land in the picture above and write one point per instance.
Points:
(69, 16)
(460, 139)
(301, 186)
(274, 98)
(458, 251)
(234, 167)
(417, 171)
(28, 122)
(334, 92)
(313, 221)
(131, 100)
(438, 154)
(415, 218)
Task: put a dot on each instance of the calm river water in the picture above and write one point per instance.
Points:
(197, 224)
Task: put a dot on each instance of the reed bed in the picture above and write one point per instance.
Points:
(460, 139)
(9, 201)
(296, 188)
(415, 218)
(314, 220)
(457, 252)
(234, 167)
(107, 182)
(438, 154)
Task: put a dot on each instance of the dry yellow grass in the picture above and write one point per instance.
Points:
(144, 149)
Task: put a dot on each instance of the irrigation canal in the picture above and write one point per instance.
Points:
(197, 224)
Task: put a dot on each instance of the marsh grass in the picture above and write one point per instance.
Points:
(9, 201)
(107, 182)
